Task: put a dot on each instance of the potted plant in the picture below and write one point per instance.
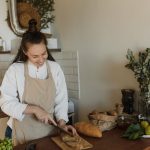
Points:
(140, 65)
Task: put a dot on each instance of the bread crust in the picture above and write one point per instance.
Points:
(88, 129)
(72, 141)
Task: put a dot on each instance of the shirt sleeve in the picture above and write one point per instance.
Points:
(61, 100)
(9, 101)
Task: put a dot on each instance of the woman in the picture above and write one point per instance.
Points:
(33, 91)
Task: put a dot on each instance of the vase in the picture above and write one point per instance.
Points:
(144, 105)
(128, 100)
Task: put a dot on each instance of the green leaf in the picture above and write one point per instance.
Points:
(133, 132)
(141, 68)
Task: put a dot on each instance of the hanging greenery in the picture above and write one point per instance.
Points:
(45, 9)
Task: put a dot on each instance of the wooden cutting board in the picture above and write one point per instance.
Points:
(63, 146)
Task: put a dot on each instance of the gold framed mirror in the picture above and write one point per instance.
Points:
(13, 18)
(21, 11)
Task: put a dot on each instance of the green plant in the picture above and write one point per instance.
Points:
(141, 68)
(45, 9)
(134, 132)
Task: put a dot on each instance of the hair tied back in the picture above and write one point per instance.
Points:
(32, 25)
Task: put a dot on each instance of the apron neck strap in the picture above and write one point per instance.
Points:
(26, 70)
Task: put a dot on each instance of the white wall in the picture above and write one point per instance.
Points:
(5, 31)
(102, 31)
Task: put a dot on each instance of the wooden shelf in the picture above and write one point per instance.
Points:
(51, 50)
(5, 52)
(55, 50)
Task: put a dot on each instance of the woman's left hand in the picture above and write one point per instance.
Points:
(71, 129)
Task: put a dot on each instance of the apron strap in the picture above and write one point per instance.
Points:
(49, 74)
(26, 70)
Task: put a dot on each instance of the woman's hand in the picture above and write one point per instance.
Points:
(40, 114)
(62, 124)
(71, 129)
(44, 116)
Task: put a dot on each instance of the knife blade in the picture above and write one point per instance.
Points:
(63, 130)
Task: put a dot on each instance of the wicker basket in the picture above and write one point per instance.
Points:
(102, 121)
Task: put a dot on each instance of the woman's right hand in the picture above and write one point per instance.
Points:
(40, 114)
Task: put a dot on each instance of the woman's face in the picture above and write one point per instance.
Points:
(37, 53)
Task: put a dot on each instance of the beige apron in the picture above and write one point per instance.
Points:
(40, 93)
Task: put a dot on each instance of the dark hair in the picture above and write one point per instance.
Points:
(31, 36)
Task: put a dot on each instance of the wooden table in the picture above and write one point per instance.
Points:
(111, 140)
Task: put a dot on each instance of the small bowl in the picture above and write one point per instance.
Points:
(124, 121)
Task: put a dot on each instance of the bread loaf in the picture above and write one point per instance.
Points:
(67, 138)
(72, 141)
(147, 148)
(119, 109)
(112, 113)
(94, 112)
(103, 117)
(88, 129)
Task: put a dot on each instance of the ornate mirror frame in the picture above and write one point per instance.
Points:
(44, 16)
(13, 19)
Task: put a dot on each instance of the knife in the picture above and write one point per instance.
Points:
(63, 130)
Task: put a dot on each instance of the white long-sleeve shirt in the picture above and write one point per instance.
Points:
(12, 89)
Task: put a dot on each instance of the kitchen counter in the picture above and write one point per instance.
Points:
(110, 140)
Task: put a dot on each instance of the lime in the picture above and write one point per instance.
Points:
(144, 124)
(147, 130)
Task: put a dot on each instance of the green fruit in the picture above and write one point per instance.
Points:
(144, 124)
(147, 130)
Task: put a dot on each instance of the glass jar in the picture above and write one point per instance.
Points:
(144, 106)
